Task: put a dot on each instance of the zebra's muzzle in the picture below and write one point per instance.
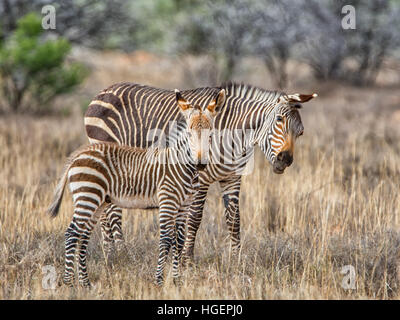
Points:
(283, 160)
(278, 170)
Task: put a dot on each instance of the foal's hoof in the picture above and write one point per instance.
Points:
(85, 284)
(69, 282)
(159, 282)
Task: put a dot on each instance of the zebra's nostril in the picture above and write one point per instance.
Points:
(285, 157)
(288, 159)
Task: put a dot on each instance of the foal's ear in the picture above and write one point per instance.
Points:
(215, 105)
(183, 104)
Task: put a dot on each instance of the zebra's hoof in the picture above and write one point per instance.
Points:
(178, 282)
(120, 246)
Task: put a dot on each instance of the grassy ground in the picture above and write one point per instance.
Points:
(337, 205)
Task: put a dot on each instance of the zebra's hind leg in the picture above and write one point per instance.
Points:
(179, 241)
(106, 235)
(72, 236)
(76, 235)
(82, 268)
(115, 221)
(111, 227)
(87, 218)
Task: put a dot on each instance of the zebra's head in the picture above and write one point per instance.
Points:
(282, 130)
(200, 125)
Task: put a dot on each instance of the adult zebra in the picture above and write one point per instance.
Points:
(139, 115)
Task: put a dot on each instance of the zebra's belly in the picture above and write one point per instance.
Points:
(136, 202)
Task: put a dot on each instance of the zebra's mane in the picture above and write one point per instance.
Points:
(250, 92)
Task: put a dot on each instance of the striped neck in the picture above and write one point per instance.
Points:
(246, 118)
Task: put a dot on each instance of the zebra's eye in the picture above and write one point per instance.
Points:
(279, 118)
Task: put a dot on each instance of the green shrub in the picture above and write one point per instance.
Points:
(33, 67)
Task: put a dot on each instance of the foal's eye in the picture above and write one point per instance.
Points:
(279, 118)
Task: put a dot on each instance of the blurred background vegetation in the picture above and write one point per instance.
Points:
(36, 65)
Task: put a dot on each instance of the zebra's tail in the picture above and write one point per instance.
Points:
(58, 194)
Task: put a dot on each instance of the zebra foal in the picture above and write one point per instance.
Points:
(103, 173)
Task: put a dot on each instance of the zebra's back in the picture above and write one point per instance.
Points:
(137, 115)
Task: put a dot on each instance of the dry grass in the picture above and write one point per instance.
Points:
(337, 205)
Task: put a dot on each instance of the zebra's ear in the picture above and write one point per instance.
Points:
(215, 105)
(298, 97)
(182, 103)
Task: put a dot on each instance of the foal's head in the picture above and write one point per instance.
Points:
(200, 125)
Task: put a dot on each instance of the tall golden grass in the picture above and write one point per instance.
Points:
(337, 205)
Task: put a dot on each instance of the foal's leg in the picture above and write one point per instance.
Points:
(168, 212)
(106, 235)
(72, 236)
(180, 231)
(115, 221)
(85, 237)
(86, 218)
(111, 227)
(195, 214)
(77, 235)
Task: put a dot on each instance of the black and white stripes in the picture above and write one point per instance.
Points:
(128, 114)
(108, 176)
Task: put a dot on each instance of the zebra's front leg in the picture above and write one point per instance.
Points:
(195, 214)
(167, 214)
(230, 195)
(180, 228)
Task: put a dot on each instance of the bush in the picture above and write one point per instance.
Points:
(33, 68)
